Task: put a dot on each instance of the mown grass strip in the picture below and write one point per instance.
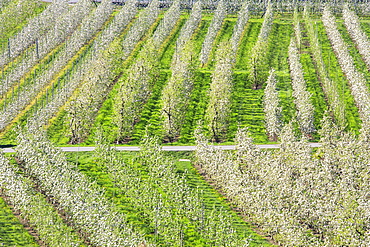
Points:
(12, 232)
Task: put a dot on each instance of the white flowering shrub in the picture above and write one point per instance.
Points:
(167, 24)
(273, 112)
(302, 98)
(258, 59)
(213, 29)
(243, 17)
(176, 93)
(219, 105)
(189, 27)
(352, 23)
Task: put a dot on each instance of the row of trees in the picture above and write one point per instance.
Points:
(330, 88)
(219, 104)
(102, 74)
(34, 208)
(15, 13)
(176, 93)
(272, 108)
(137, 83)
(65, 86)
(297, 195)
(302, 98)
(173, 210)
(34, 29)
(257, 69)
(84, 203)
(213, 29)
(28, 92)
(63, 27)
(352, 23)
(355, 78)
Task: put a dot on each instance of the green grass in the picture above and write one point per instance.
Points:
(249, 39)
(12, 232)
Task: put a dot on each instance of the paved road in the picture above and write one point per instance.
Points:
(164, 148)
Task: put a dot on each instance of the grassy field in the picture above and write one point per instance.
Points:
(12, 232)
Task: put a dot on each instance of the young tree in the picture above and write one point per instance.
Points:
(258, 59)
(219, 105)
(176, 94)
(271, 108)
(135, 90)
(302, 98)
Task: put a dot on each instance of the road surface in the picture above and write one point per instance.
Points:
(164, 148)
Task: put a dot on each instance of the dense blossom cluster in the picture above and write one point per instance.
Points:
(219, 105)
(42, 217)
(273, 112)
(191, 24)
(243, 17)
(352, 23)
(302, 98)
(84, 202)
(298, 196)
(355, 78)
(336, 103)
(258, 59)
(213, 29)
